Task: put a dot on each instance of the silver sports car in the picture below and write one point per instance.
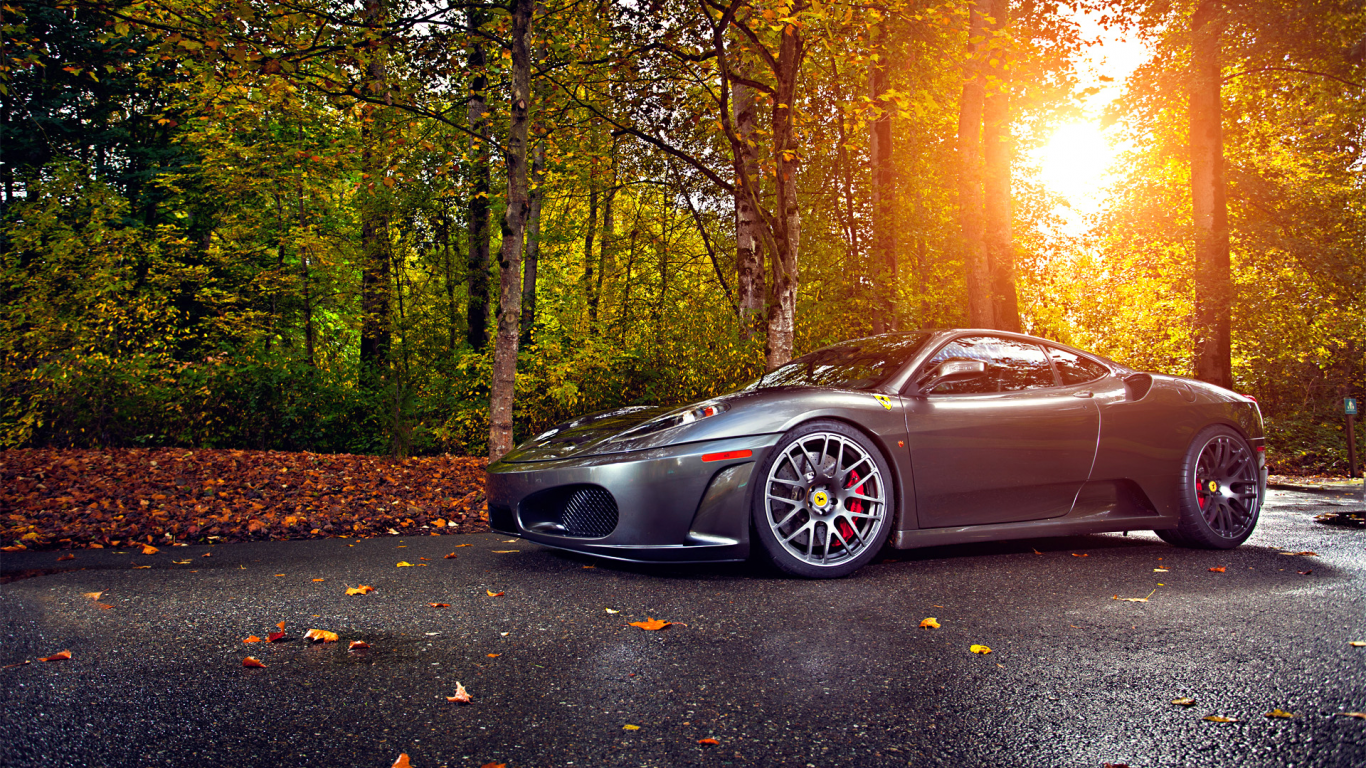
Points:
(907, 440)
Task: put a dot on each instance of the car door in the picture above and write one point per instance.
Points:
(1011, 445)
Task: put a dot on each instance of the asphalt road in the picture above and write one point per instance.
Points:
(779, 672)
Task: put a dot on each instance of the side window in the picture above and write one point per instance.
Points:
(1011, 365)
(1075, 369)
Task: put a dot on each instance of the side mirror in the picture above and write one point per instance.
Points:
(955, 369)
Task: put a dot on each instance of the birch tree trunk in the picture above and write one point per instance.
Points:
(533, 241)
(749, 254)
(782, 311)
(1213, 284)
(503, 389)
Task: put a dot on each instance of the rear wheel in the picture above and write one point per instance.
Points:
(824, 507)
(1221, 492)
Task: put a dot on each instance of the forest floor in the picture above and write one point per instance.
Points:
(68, 499)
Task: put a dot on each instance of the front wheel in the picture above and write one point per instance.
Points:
(824, 507)
(1220, 492)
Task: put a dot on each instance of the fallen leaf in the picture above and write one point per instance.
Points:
(58, 656)
(930, 623)
(402, 761)
(67, 556)
(1218, 719)
(1279, 713)
(1358, 715)
(651, 624)
(494, 765)
(320, 636)
(17, 664)
(980, 649)
(148, 549)
(251, 639)
(463, 545)
(360, 589)
(505, 551)
(252, 661)
(404, 564)
(1161, 570)
(1134, 599)
(494, 655)
(609, 610)
(105, 606)
(207, 554)
(1184, 702)
(629, 727)
(708, 741)
(590, 566)
(1037, 552)
(320, 579)
(451, 556)
(461, 696)
(1305, 573)
(357, 645)
(1357, 643)
(275, 637)
(439, 605)
(1074, 554)
(422, 558)
(493, 594)
(181, 562)
(93, 595)
(141, 567)
(14, 548)
(1302, 554)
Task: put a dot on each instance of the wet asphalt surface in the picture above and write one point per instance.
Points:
(779, 672)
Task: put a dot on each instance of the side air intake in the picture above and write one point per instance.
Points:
(581, 511)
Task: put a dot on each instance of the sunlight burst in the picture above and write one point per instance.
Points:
(1075, 162)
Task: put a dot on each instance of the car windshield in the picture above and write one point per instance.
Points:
(859, 364)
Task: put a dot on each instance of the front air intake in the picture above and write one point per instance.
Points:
(581, 511)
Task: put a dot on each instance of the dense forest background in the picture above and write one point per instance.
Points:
(340, 225)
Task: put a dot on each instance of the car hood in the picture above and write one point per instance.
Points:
(584, 435)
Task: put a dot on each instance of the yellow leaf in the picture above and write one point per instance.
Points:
(651, 624)
(96, 596)
(181, 562)
(609, 610)
(930, 623)
(629, 727)
(1279, 713)
(980, 649)
(404, 564)
(1358, 715)
(1353, 643)
(320, 636)
(360, 589)
(491, 593)
(1184, 702)
(1218, 719)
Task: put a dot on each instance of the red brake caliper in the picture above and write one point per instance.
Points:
(855, 506)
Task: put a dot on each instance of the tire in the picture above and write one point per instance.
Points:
(1221, 494)
(823, 506)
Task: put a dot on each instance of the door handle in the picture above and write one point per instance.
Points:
(1084, 393)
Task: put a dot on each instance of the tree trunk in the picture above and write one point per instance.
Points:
(885, 282)
(1213, 285)
(782, 311)
(607, 240)
(533, 241)
(374, 296)
(977, 272)
(503, 388)
(996, 152)
(477, 265)
(589, 285)
(749, 254)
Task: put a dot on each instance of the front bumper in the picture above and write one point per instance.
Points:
(670, 505)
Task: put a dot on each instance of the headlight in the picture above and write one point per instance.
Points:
(675, 419)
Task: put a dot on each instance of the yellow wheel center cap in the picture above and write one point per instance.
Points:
(1213, 486)
(820, 498)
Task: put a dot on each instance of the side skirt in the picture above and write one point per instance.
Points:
(1034, 529)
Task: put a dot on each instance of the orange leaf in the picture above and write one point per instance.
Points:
(1074, 554)
(141, 567)
(930, 623)
(439, 523)
(319, 579)
(281, 625)
(708, 741)
(207, 554)
(402, 761)
(494, 655)
(494, 765)
(1220, 569)
(93, 595)
(67, 556)
(58, 656)
(461, 695)
(652, 624)
(14, 548)
(357, 645)
(320, 636)
(439, 605)
(361, 589)
(493, 594)
(451, 556)
(148, 549)
(252, 661)
(251, 639)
